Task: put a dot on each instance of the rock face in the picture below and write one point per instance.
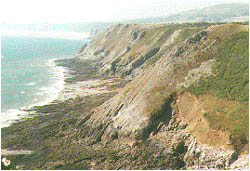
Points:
(199, 36)
(128, 106)
(143, 107)
(139, 108)
(112, 48)
(194, 75)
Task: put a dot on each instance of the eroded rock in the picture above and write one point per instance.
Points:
(199, 36)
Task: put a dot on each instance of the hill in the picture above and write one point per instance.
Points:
(219, 13)
(146, 96)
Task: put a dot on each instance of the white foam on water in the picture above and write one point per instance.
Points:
(11, 116)
(50, 92)
(31, 84)
(44, 95)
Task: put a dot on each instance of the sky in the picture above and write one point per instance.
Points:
(62, 11)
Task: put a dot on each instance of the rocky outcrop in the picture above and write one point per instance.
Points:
(127, 106)
(142, 108)
(112, 48)
(194, 75)
(145, 57)
(82, 48)
(197, 37)
(133, 111)
(97, 52)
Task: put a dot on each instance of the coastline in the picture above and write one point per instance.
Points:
(50, 93)
(59, 118)
(30, 76)
(67, 85)
(85, 128)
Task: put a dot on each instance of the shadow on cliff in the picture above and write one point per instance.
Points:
(160, 118)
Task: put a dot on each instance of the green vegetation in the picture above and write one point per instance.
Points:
(58, 140)
(157, 56)
(153, 33)
(68, 135)
(192, 30)
(231, 82)
(232, 79)
(233, 119)
(187, 30)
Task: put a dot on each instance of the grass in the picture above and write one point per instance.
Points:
(59, 136)
(231, 85)
(230, 116)
(186, 31)
(152, 33)
(232, 79)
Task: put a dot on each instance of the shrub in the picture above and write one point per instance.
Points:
(232, 79)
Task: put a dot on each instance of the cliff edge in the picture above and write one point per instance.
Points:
(173, 105)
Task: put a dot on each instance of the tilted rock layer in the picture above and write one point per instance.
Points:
(159, 60)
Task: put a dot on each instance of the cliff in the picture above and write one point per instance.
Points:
(159, 60)
(155, 119)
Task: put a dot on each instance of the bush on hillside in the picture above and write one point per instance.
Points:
(232, 79)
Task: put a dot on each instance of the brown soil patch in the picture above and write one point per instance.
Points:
(191, 110)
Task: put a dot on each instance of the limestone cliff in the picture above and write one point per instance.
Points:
(147, 96)
(160, 60)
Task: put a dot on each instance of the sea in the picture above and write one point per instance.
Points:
(29, 76)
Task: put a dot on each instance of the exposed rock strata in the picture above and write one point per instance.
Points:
(150, 123)
(139, 110)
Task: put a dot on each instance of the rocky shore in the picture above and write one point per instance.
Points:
(44, 118)
(126, 106)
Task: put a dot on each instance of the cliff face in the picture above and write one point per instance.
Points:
(161, 61)
(161, 111)
(122, 50)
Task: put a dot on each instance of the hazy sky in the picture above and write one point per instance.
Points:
(62, 11)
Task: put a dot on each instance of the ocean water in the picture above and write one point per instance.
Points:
(29, 76)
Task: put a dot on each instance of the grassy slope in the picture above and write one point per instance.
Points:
(186, 31)
(231, 82)
(232, 79)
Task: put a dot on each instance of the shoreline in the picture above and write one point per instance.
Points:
(96, 125)
(51, 123)
(62, 89)
(59, 73)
